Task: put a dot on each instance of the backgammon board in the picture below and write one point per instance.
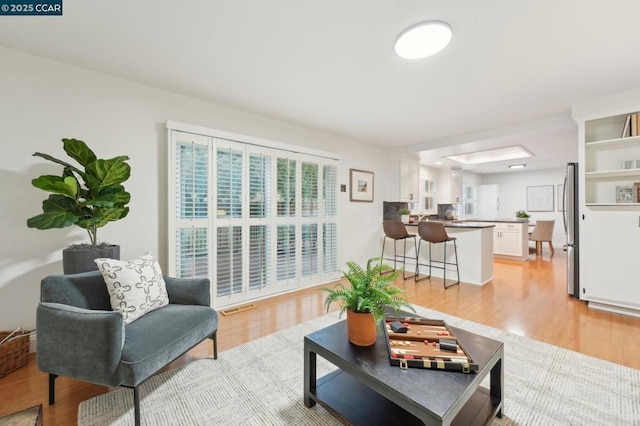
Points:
(425, 343)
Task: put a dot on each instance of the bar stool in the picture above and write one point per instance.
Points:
(434, 233)
(396, 231)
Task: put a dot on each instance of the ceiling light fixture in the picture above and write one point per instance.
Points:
(423, 39)
(517, 166)
(500, 154)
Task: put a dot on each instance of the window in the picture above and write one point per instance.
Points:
(428, 194)
(286, 255)
(274, 226)
(190, 205)
(229, 181)
(259, 186)
(286, 187)
(469, 204)
(309, 189)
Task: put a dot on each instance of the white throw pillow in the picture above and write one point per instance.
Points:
(135, 287)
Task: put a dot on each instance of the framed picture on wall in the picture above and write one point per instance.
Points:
(540, 198)
(361, 185)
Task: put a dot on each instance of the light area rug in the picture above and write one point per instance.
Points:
(261, 383)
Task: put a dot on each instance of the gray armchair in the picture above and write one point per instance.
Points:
(80, 336)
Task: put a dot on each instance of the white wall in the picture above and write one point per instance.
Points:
(43, 101)
(513, 196)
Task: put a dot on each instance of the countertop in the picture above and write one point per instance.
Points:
(458, 223)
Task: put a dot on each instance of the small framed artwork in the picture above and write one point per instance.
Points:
(540, 198)
(627, 164)
(625, 194)
(361, 186)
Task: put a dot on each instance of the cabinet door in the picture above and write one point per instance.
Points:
(609, 256)
(496, 241)
(456, 185)
(511, 243)
(409, 180)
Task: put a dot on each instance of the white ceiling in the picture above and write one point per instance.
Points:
(510, 75)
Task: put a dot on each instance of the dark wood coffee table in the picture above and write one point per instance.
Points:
(367, 390)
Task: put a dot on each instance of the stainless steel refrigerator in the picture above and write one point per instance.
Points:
(571, 228)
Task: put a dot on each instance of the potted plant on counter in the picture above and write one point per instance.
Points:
(523, 215)
(365, 299)
(89, 196)
(404, 215)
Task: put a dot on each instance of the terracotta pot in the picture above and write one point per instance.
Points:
(361, 328)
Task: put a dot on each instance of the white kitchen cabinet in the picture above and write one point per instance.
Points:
(608, 259)
(510, 240)
(609, 209)
(456, 185)
(409, 180)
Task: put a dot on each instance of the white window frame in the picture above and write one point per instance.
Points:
(215, 139)
(424, 194)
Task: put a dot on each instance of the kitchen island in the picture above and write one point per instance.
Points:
(475, 251)
(510, 238)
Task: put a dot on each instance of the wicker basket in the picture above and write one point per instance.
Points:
(14, 353)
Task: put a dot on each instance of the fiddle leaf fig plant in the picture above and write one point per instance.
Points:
(89, 196)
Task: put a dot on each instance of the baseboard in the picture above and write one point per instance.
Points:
(614, 309)
(32, 341)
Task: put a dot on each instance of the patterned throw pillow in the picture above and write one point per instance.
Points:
(135, 287)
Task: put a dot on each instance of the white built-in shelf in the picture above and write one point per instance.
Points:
(616, 141)
(612, 174)
(613, 204)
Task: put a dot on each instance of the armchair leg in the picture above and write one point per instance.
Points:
(215, 345)
(136, 405)
(52, 388)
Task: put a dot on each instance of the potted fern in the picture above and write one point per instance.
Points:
(404, 215)
(89, 196)
(365, 299)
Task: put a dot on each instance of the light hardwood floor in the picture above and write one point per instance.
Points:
(527, 298)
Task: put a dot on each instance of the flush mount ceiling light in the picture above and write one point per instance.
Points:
(423, 39)
(517, 166)
(501, 154)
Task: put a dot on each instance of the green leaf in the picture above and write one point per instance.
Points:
(51, 220)
(79, 151)
(62, 163)
(67, 186)
(89, 222)
(107, 200)
(122, 196)
(108, 173)
(112, 214)
(58, 203)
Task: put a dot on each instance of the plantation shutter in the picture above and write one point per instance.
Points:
(229, 229)
(286, 254)
(309, 183)
(330, 189)
(255, 218)
(260, 220)
(309, 252)
(330, 225)
(190, 251)
(286, 187)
